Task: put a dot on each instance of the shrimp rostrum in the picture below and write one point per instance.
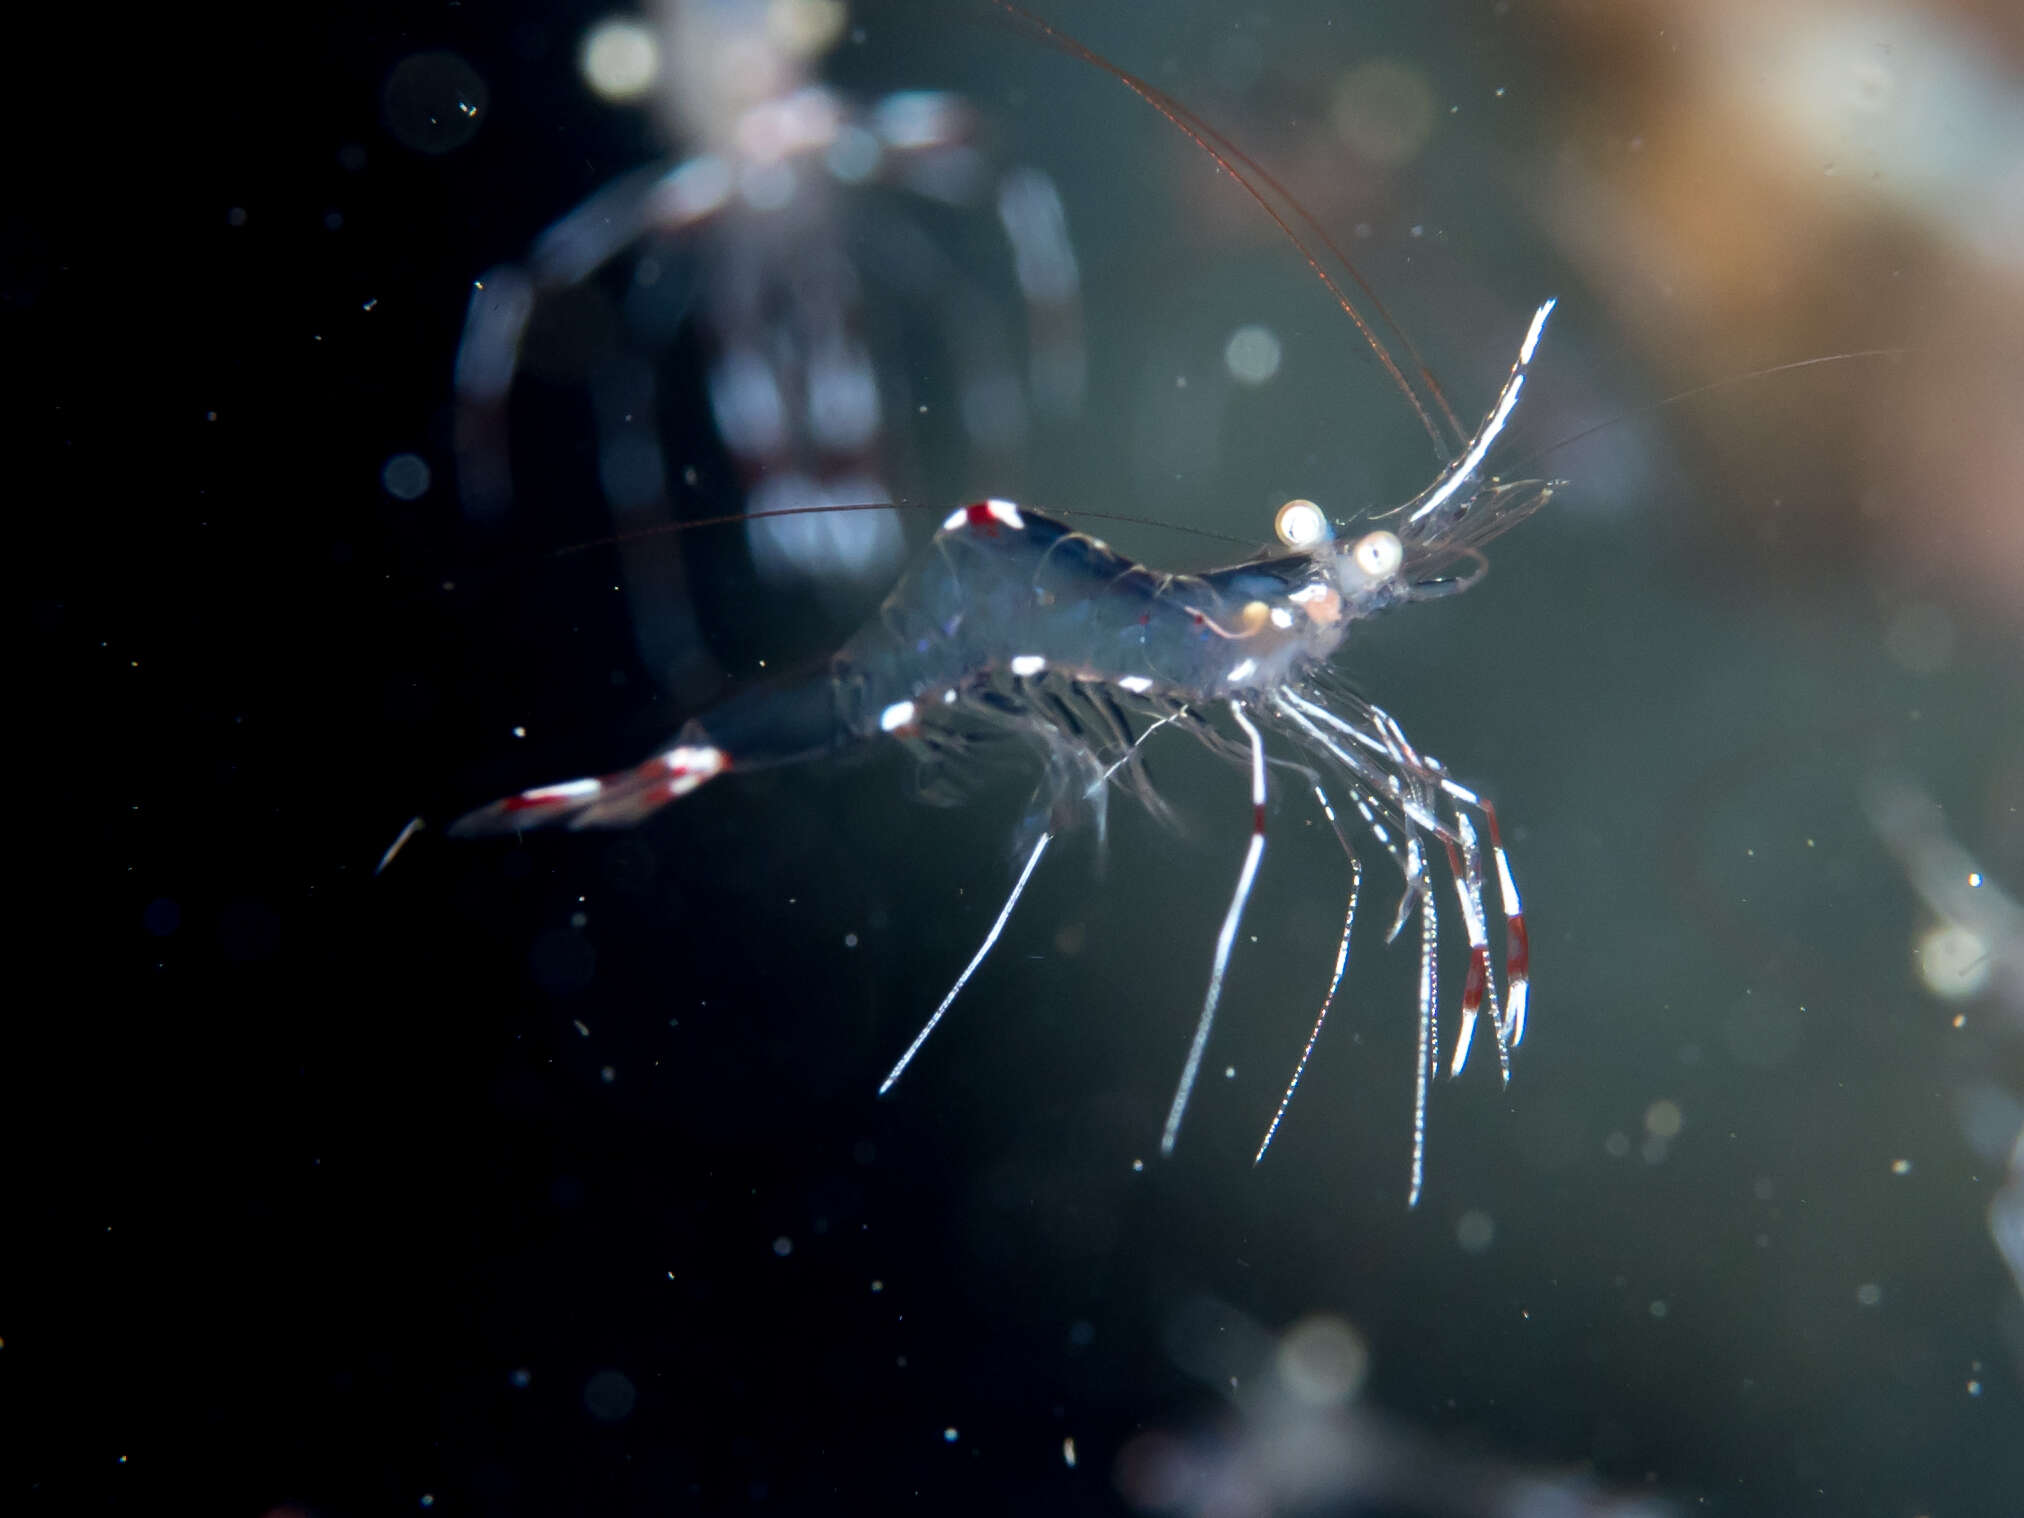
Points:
(1013, 621)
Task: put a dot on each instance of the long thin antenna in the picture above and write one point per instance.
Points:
(1694, 392)
(1227, 157)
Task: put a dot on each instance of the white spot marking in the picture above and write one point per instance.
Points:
(1243, 671)
(900, 714)
(1028, 664)
(1538, 326)
(1507, 884)
(1007, 513)
(568, 790)
(955, 519)
(1138, 685)
(692, 765)
(1281, 617)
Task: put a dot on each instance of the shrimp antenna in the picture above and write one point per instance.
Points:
(732, 518)
(1235, 162)
(1694, 392)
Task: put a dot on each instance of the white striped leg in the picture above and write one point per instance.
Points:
(1510, 1021)
(1517, 943)
(1335, 980)
(1226, 938)
(990, 938)
(1409, 859)
(1466, 865)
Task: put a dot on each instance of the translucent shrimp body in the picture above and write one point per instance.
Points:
(1012, 620)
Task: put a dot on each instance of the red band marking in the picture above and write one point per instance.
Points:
(1517, 948)
(1479, 973)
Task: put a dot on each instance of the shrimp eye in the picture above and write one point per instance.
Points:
(1302, 524)
(1378, 554)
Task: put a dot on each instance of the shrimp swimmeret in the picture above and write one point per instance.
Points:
(1013, 619)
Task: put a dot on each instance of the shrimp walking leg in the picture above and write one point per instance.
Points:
(1225, 939)
(984, 948)
(1334, 980)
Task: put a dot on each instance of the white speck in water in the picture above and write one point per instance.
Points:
(1474, 1230)
(405, 476)
(948, 1436)
(619, 59)
(1953, 961)
(1252, 354)
(783, 1246)
(1869, 1293)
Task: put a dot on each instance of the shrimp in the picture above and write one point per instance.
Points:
(1013, 623)
(792, 210)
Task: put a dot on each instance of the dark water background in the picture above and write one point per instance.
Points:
(550, 1178)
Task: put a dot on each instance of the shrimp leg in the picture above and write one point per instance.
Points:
(1226, 938)
(990, 938)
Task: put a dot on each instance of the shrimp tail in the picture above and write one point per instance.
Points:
(775, 723)
(604, 801)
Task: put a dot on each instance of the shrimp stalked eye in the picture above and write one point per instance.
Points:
(1378, 554)
(1302, 525)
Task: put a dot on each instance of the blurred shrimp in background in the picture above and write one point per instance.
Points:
(805, 246)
